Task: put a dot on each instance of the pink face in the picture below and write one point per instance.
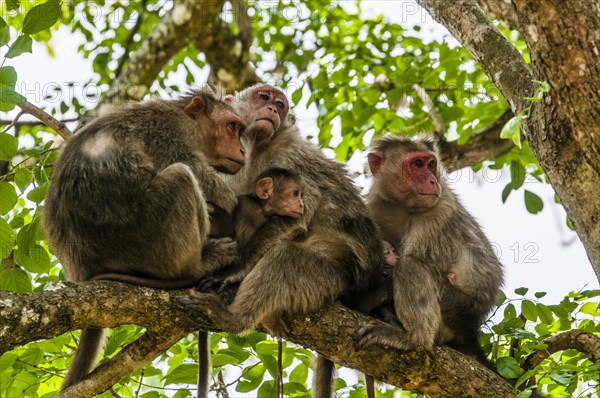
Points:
(264, 108)
(411, 180)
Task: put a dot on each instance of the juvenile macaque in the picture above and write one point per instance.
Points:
(130, 198)
(437, 240)
(278, 192)
(390, 256)
(339, 254)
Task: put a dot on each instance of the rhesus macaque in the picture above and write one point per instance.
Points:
(130, 196)
(277, 192)
(338, 255)
(437, 238)
(390, 256)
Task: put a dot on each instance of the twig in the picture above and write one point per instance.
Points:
(440, 130)
(13, 122)
(45, 118)
(129, 42)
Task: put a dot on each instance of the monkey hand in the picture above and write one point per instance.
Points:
(277, 326)
(219, 253)
(211, 306)
(377, 332)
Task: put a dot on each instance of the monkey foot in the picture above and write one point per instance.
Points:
(277, 328)
(380, 333)
(205, 303)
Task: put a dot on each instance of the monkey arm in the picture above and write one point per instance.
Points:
(214, 188)
(416, 300)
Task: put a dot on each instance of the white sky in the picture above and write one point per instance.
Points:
(529, 246)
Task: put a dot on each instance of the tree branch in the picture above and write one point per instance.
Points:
(442, 372)
(484, 144)
(503, 11)
(438, 122)
(496, 55)
(580, 340)
(45, 118)
(131, 358)
(234, 72)
(175, 31)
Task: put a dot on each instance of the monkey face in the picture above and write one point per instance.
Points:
(229, 155)
(410, 179)
(289, 201)
(264, 109)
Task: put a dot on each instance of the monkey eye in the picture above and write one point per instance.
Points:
(232, 127)
(431, 164)
(280, 104)
(263, 96)
(419, 163)
(296, 193)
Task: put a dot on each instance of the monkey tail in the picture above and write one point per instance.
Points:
(90, 343)
(203, 363)
(323, 379)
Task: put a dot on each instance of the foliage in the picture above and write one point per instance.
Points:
(359, 74)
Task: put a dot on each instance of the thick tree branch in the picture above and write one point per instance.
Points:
(233, 71)
(442, 372)
(582, 341)
(484, 144)
(503, 11)
(564, 128)
(175, 31)
(45, 118)
(496, 55)
(131, 358)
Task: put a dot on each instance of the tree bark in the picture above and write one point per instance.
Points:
(564, 128)
(442, 372)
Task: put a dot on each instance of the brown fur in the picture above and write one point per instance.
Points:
(129, 196)
(338, 256)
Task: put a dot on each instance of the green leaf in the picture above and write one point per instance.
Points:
(38, 194)
(297, 95)
(42, 17)
(23, 177)
(299, 374)
(224, 359)
(529, 310)
(517, 174)
(506, 191)
(8, 146)
(35, 259)
(23, 44)
(13, 5)
(533, 203)
(7, 239)
(8, 77)
(253, 378)
(539, 295)
(8, 197)
(508, 367)
(521, 291)
(512, 129)
(591, 308)
(545, 314)
(183, 374)
(9, 98)
(4, 32)
(15, 280)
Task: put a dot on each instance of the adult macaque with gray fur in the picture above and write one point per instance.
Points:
(130, 195)
(340, 252)
(437, 239)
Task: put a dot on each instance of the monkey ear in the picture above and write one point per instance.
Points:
(264, 188)
(376, 160)
(195, 108)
